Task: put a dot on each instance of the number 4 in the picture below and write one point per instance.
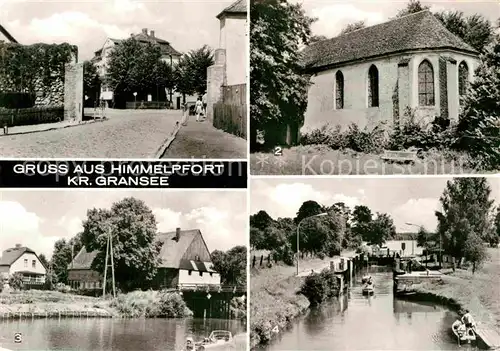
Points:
(278, 151)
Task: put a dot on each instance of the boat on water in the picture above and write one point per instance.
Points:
(218, 340)
(462, 333)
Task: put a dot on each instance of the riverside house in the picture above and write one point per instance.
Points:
(185, 261)
(25, 261)
(375, 74)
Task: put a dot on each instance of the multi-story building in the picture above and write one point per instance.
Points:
(25, 261)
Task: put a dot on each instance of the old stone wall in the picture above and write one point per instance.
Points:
(50, 95)
(216, 78)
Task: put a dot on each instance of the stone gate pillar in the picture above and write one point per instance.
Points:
(73, 92)
(216, 78)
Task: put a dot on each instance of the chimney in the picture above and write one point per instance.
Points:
(145, 31)
(177, 234)
(152, 33)
(18, 246)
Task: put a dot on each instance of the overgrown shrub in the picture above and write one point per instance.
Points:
(151, 304)
(16, 281)
(13, 100)
(320, 287)
(30, 116)
(238, 308)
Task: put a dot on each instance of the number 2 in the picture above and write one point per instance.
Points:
(278, 151)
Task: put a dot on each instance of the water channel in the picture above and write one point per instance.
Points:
(378, 322)
(110, 334)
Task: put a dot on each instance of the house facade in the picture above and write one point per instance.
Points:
(185, 261)
(102, 56)
(230, 66)
(376, 74)
(25, 261)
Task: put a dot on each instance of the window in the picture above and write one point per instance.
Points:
(463, 78)
(196, 258)
(33, 264)
(339, 90)
(201, 274)
(425, 84)
(25, 263)
(189, 272)
(373, 87)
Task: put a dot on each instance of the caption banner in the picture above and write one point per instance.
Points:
(123, 174)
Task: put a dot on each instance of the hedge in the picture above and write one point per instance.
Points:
(30, 116)
(13, 100)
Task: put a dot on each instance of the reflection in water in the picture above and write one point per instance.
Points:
(110, 334)
(377, 322)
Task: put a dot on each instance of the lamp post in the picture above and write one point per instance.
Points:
(298, 227)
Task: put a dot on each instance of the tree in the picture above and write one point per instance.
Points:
(132, 227)
(61, 258)
(261, 220)
(381, 229)
(278, 89)
(413, 6)
(424, 238)
(231, 265)
(43, 260)
(136, 67)
(475, 30)
(191, 71)
(497, 227)
(352, 27)
(475, 251)
(361, 220)
(466, 211)
(315, 38)
(91, 81)
(308, 209)
(479, 120)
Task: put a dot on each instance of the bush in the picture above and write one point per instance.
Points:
(320, 287)
(30, 116)
(151, 304)
(13, 100)
(16, 281)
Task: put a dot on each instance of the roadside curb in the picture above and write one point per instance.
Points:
(159, 153)
(55, 128)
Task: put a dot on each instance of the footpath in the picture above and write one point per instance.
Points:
(46, 126)
(203, 140)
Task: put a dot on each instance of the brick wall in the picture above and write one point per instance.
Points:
(73, 92)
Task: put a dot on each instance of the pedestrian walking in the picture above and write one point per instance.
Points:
(185, 114)
(199, 109)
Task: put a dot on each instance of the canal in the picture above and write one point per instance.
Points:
(378, 322)
(112, 334)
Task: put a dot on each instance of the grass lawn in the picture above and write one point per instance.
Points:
(321, 160)
(479, 292)
(273, 297)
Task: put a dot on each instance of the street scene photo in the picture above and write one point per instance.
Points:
(124, 79)
(123, 270)
(374, 87)
(375, 264)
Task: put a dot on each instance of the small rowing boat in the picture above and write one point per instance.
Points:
(463, 333)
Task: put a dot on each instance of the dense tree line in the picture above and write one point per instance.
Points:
(336, 228)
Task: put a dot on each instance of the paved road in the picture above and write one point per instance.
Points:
(326, 264)
(127, 134)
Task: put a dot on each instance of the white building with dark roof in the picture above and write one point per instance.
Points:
(375, 74)
(185, 261)
(25, 261)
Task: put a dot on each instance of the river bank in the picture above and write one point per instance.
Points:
(478, 292)
(53, 304)
(274, 298)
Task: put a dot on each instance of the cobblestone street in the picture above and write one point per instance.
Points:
(127, 134)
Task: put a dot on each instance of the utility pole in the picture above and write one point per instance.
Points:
(109, 252)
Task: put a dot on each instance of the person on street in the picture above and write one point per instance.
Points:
(199, 109)
(185, 114)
